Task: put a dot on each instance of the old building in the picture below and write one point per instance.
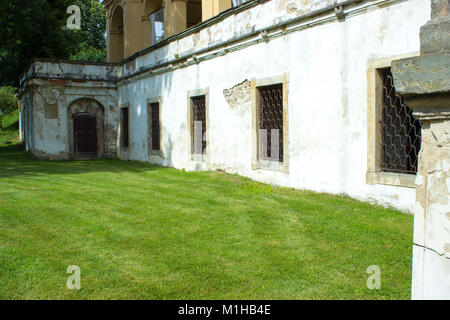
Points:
(293, 93)
(289, 92)
(425, 82)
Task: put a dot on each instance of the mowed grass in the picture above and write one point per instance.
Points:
(139, 231)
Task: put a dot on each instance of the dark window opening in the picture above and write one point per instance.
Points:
(125, 128)
(154, 125)
(198, 128)
(271, 122)
(193, 12)
(401, 133)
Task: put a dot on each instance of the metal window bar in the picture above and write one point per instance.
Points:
(125, 123)
(401, 133)
(199, 115)
(155, 131)
(271, 122)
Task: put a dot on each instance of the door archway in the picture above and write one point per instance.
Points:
(86, 134)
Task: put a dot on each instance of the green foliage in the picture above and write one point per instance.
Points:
(91, 37)
(8, 101)
(9, 127)
(257, 188)
(34, 28)
(90, 54)
(37, 29)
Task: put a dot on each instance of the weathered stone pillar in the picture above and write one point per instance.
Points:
(146, 31)
(210, 8)
(133, 28)
(174, 17)
(425, 83)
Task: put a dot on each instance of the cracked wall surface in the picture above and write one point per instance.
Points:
(423, 80)
(46, 98)
(240, 94)
(431, 272)
(432, 225)
(325, 59)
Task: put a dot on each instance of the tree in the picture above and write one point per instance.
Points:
(8, 101)
(91, 37)
(37, 28)
(33, 28)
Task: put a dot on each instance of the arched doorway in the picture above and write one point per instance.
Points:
(86, 129)
(116, 39)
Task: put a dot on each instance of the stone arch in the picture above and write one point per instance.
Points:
(152, 6)
(116, 36)
(91, 107)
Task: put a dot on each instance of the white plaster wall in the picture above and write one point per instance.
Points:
(431, 272)
(327, 66)
(26, 119)
(51, 136)
(72, 70)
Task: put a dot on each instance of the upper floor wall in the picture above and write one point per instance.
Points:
(133, 25)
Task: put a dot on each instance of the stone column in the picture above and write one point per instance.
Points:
(146, 32)
(133, 28)
(210, 8)
(174, 17)
(425, 83)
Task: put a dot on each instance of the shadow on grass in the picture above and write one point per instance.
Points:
(15, 161)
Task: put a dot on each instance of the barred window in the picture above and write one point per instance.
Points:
(154, 126)
(401, 133)
(125, 127)
(271, 122)
(198, 128)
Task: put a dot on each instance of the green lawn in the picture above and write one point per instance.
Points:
(147, 232)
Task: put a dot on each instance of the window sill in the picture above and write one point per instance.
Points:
(198, 157)
(272, 166)
(390, 178)
(155, 157)
(157, 153)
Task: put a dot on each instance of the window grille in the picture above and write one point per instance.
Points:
(401, 135)
(125, 124)
(155, 132)
(199, 124)
(271, 122)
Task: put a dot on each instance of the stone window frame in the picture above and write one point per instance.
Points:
(191, 94)
(152, 153)
(374, 173)
(124, 106)
(257, 163)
